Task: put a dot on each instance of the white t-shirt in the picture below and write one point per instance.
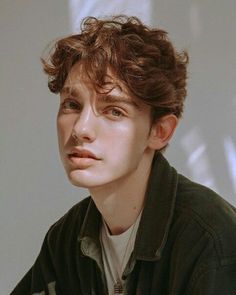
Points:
(116, 251)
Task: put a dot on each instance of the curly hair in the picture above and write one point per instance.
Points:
(142, 58)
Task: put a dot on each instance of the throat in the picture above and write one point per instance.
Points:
(117, 230)
(121, 205)
(121, 220)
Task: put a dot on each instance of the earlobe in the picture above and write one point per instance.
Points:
(162, 131)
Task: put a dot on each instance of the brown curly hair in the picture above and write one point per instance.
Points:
(142, 58)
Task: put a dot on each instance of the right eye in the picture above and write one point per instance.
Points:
(70, 106)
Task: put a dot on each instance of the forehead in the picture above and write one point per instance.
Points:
(78, 79)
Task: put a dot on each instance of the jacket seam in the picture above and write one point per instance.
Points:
(215, 237)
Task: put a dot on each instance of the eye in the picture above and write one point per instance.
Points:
(113, 113)
(70, 106)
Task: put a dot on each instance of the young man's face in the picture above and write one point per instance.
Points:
(102, 137)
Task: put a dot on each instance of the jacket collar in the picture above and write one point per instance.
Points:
(158, 211)
(155, 221)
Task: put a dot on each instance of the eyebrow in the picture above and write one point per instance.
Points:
(111, 98)
(103, 97)
(70, 90)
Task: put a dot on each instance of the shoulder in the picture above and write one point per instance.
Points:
(211, 215)
(69, 225)
(58, 251)
(202, 200)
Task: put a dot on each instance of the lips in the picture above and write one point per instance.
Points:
(83, 153)
(80, 158)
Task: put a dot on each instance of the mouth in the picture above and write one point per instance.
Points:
(82, 154)
(82, 159)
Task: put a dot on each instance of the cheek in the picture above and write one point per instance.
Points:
(64, 129)
(127, 141)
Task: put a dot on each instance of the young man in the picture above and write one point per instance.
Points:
(145, 229)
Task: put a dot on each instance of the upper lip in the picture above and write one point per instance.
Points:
(82, 153)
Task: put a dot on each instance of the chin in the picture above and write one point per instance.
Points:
(81, 179)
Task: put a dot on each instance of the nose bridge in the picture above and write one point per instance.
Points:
(85, 124)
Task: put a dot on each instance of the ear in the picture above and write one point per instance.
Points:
(162, 131)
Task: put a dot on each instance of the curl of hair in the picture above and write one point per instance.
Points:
(142, 58)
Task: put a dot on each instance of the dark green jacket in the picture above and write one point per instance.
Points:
(185, 244)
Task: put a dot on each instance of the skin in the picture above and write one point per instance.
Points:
(117, 130)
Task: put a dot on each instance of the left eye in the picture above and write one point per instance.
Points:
(114, 112)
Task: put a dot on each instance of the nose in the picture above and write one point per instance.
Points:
(84, 129)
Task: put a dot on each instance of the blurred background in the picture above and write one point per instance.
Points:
(34, 191)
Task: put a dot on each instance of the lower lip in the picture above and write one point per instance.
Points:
(82, 163)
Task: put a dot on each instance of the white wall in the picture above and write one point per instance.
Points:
(34, 191)
(204, 147)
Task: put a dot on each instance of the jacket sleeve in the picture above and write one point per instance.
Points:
(41, 278)
(23, 286)
(217, 281)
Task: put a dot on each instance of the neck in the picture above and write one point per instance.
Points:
(121, 203)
